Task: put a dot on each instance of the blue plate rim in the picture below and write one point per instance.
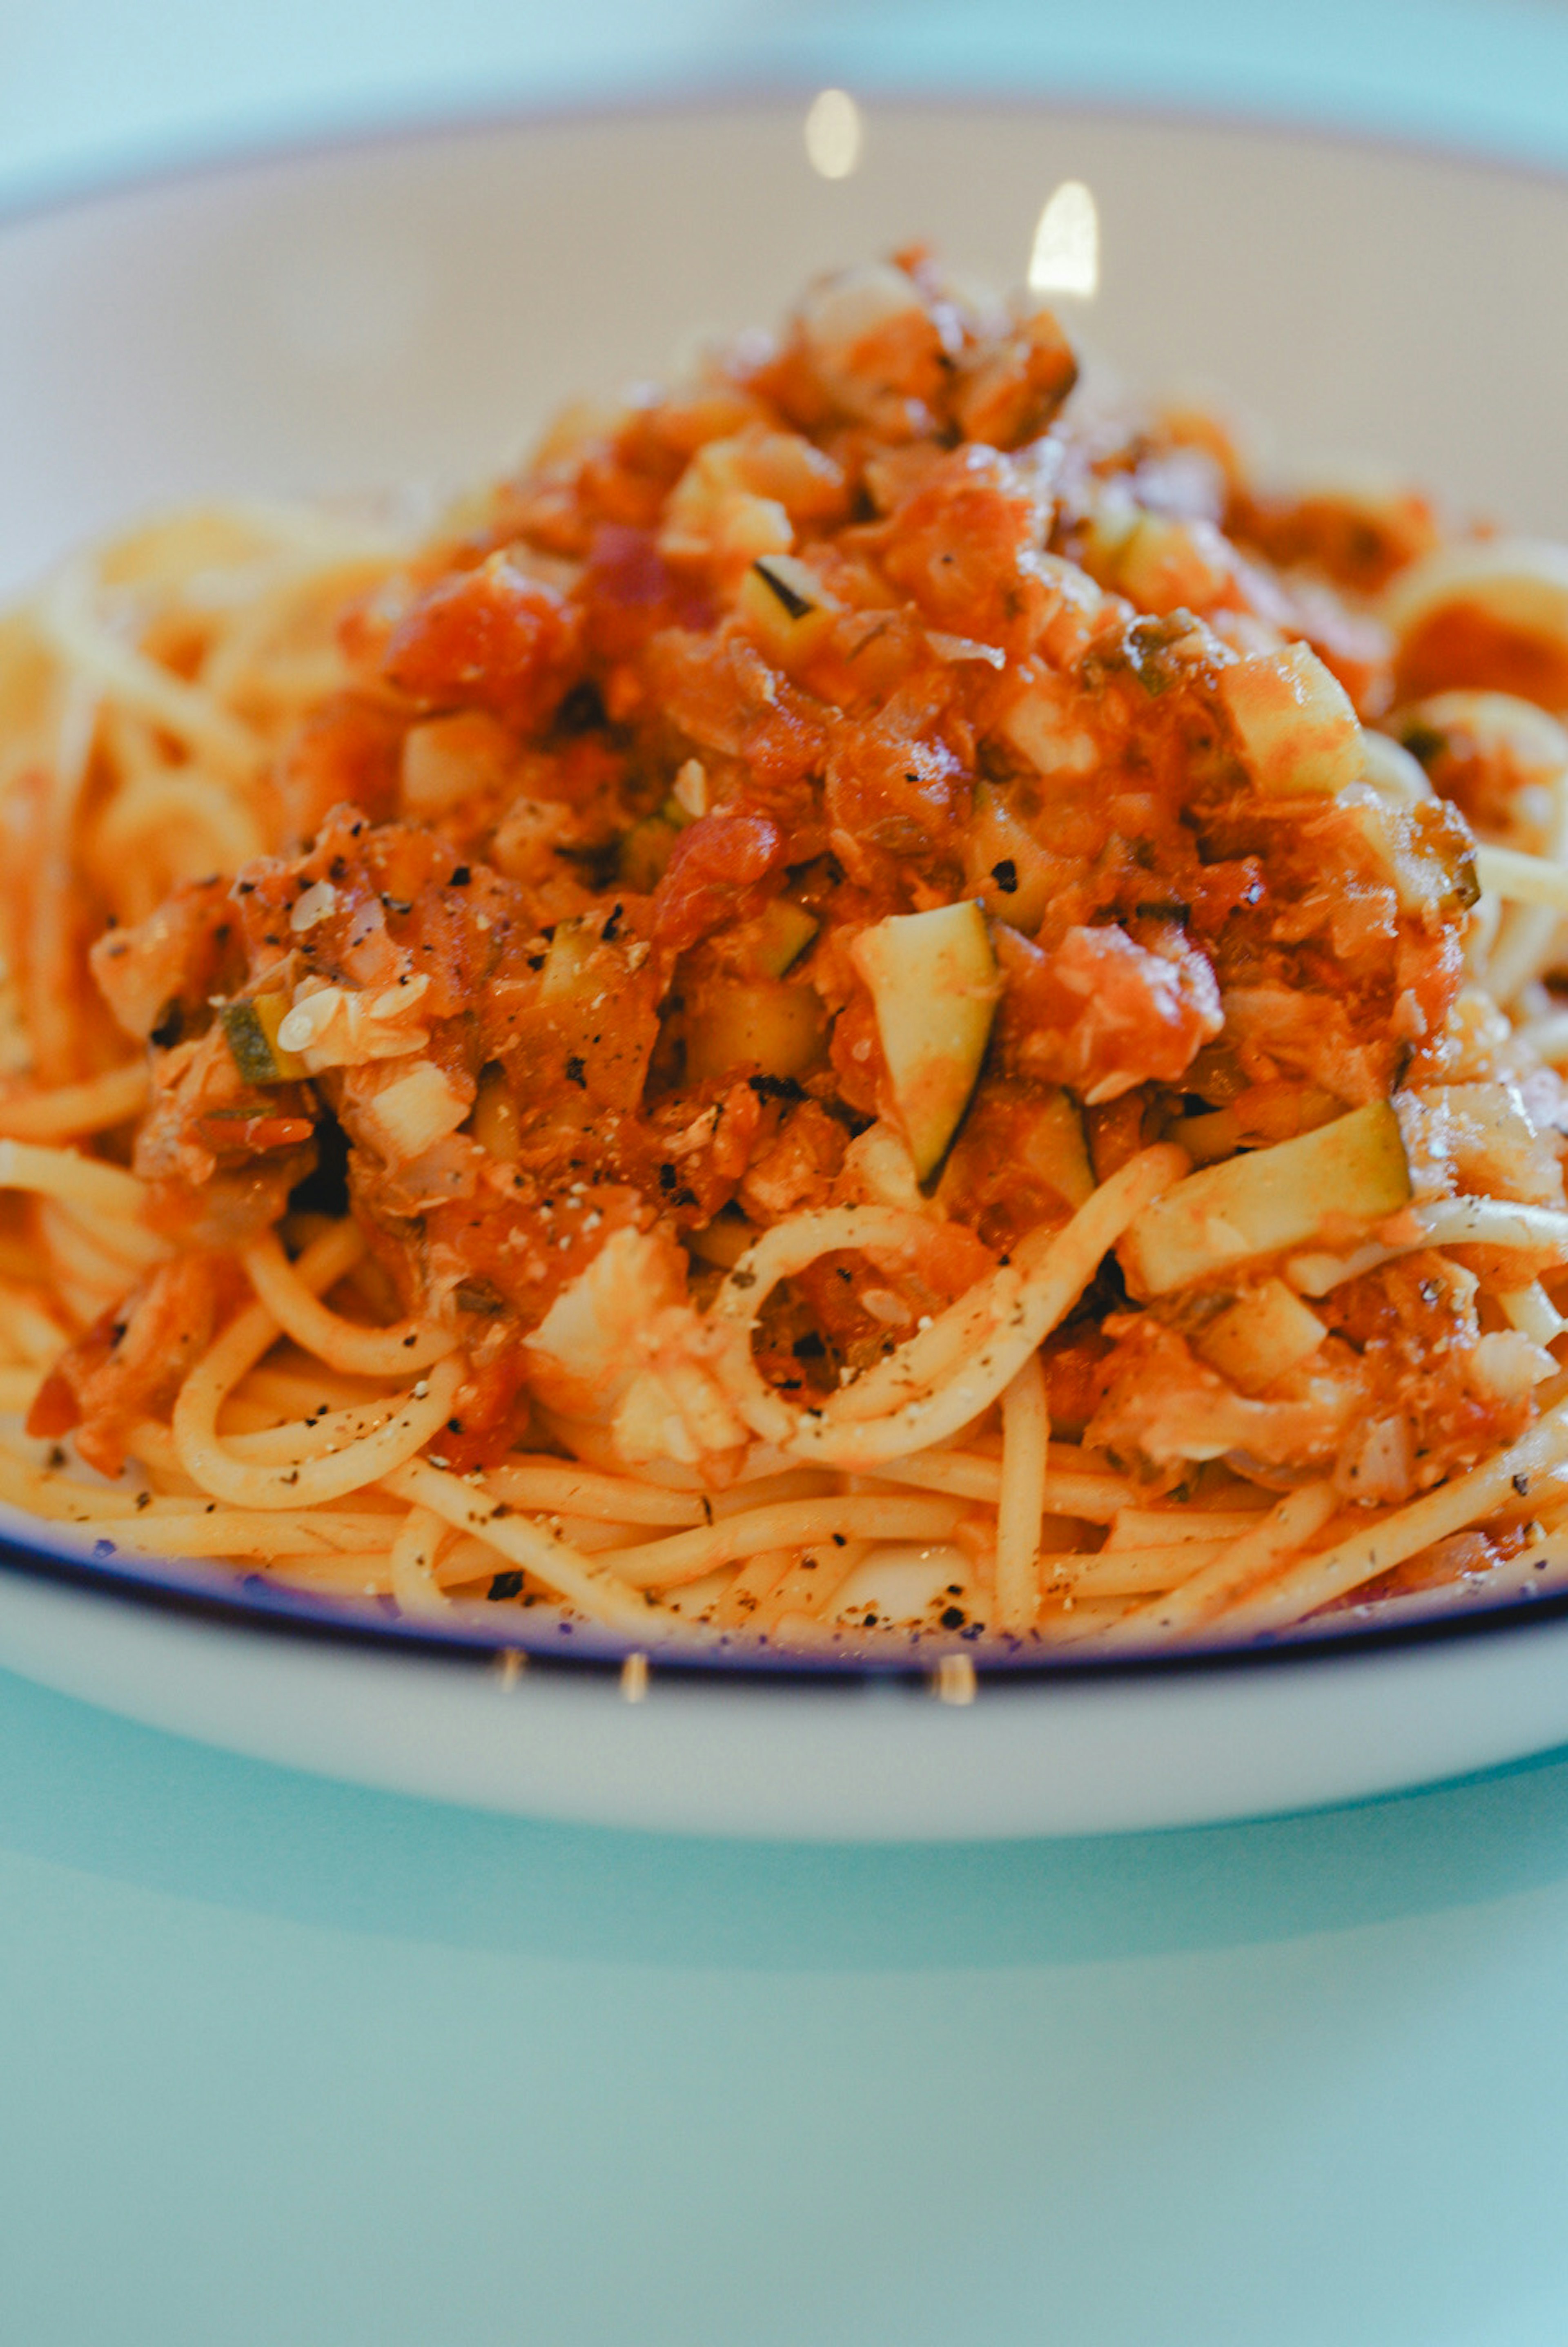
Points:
(251, 1603)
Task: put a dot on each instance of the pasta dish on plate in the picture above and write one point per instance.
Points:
(887, 1002)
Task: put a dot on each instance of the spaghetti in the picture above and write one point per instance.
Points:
(883, 1001)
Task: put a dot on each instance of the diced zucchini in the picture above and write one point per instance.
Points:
(1296, 732)
(1210, 1137)
(250, 1029)
(934, 984)
(783, 933)
(1345, 1176)
(1055, 1149)
(767, 1025)
(785, 608)
(1259, 1337)
(1005, 865)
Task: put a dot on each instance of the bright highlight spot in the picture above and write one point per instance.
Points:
(1066, 253)
(834, 134)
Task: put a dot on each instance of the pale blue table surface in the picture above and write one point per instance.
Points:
(287, 2065)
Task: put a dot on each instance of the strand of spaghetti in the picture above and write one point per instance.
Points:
(1078, 1622)
(297, 1393)
(70, 1255)
(1548, 1035)
(202, 1455)
(1532, 1311)
(416, 1416)
(792, 1524)
(602, 1595)
(299, 545)
(412, 1564)
(921, 1363)
(32, 1332)
(1494, 1222)
(1523, 879)
(1218, 1587)
(43, 1494)
(180, 803)
(1021, 1504)
(83, 1302)
(153, 1445)
(339, 1574)
(591, 1533)
(72, 1109)
(1166, 1527)
(266, 602)
(789, 1248)
(242, 1417)
(1524, 936)
(1067, 1458)
(552, 1486)
(1094, 1499)
(68, 1251)
(236, 659)
(811, 1584)
(186, 1527)
(80, 1181)
(793, 1483)
(343, 1344)
(1332, 1573)
(1026, 1305)
(935, 1352)
(756, 1578)
(1446, 1222)
(18, 1386)
(67, 618)
(128, 1247)
(469, 1560)
(290, 688)
(239, 1531)
(50, 942)
(314, 1437)
(1132, 1572)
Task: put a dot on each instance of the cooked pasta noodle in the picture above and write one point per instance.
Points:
(881, 1008)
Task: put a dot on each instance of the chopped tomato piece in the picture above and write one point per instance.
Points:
(490, 638)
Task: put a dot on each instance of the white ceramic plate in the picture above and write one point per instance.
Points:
(408, 311)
